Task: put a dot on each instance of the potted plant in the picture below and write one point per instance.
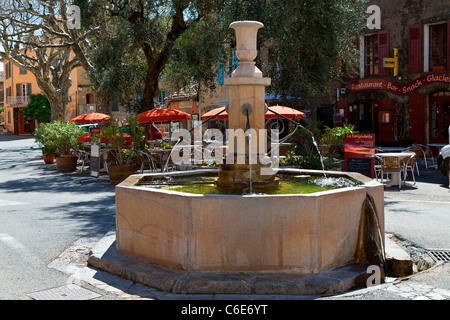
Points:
(124, 144)
(334, 138)
(65, 137)
(45, 137)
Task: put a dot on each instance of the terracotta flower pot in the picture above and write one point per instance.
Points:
(119, 173)
(66, 163)
(48, 158)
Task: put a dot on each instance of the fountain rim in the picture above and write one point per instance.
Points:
(133, 182)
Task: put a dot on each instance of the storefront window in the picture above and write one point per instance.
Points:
(438, 45)
(440, 116)
(371, 55)
(385, 117)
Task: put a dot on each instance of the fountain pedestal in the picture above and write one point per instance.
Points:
(246, 92)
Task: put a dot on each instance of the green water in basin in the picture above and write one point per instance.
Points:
(288, 185)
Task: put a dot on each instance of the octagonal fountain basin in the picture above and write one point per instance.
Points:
(276, 231)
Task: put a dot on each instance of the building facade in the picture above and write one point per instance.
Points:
(412, 106)
(20, 84)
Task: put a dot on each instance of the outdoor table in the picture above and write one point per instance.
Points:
(162, 156)
(390, 149)
(403, 156)
(439, 146)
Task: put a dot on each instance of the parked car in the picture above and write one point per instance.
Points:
(443, 160)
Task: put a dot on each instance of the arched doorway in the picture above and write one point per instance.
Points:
(439, 116)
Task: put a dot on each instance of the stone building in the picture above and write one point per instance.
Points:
(412, 106)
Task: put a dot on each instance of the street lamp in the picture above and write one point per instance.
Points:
(76, 106)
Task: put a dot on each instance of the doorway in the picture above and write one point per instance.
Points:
(439, 116)
(364, 116)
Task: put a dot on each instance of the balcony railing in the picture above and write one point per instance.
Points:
(18, 100)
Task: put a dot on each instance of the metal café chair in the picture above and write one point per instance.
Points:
(426, 153)
(84, 157)
(147, 158)
(410, 165)
(392, 165)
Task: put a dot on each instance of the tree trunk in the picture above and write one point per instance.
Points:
(58, 98)
(150, 90)
(103, 103)
(58, 105)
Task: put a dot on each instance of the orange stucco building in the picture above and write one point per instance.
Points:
(19, 84)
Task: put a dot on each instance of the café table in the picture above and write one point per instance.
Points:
(390, 149)
(404, 157)
(162, 156)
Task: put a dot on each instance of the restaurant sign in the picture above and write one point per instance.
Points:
(395, 87)
(359, 153)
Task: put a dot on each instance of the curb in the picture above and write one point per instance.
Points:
(105, 257)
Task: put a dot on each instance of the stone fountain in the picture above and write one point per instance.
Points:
(298, 244)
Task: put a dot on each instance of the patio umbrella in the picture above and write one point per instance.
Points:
(209, 114)
(163, 115)
(284, 111)
(91, 118)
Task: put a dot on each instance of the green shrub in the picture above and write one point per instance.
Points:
(59, 138)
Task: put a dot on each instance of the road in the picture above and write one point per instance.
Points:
(420, 213)
(44, 212)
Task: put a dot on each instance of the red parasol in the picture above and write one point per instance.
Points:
(91, 118)
(285, 111)
(163, 115)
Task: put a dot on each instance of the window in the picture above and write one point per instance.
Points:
(21, 71)
(385, 117)
(371, 55)
(438, 45)
(161, 96)
(89, 98)
(8, 70)
(374, 48)
(440, 116)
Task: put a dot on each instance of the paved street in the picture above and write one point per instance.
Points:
(42, 212)
(49, 221)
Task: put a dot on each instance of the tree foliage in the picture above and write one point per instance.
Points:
(33, 36)
(135, 42)
(38, 108)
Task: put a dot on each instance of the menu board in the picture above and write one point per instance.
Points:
(359, 153)
(95, 160)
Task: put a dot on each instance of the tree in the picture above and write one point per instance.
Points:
(306, 46)
(31, 35)
(38, 108)
(136, 40)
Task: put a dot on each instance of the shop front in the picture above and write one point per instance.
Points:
(415, 112)
(17, 123)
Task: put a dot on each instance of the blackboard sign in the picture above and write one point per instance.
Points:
(359, 153)
(95, 160)
(363, 166)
